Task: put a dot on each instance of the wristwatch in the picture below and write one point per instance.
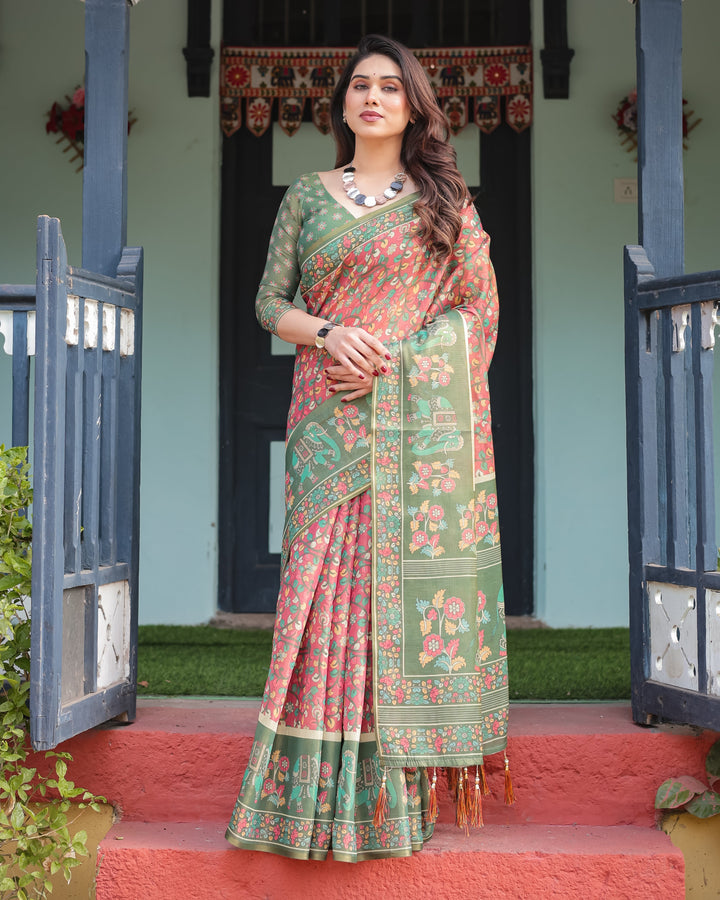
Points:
(322, 334)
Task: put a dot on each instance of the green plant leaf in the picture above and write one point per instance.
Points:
(705, 805)
(676, 792)
(39, 834)
(17, 817)
(8, 582)
(712, 763)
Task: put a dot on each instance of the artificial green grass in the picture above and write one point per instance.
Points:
(544, 663)
(569, 664)
(185, 660)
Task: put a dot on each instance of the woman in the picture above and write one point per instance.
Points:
(389, 647)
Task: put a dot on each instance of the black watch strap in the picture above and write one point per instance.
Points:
(322, 334)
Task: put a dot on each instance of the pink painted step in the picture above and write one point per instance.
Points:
(193, 862)
(571, 763)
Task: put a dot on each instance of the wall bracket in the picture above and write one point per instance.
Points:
(556, 54)
(198, 53)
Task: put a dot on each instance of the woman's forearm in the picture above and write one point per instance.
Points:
(298, 327)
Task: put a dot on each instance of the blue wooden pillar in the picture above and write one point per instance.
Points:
(660, 163)
(106, 116)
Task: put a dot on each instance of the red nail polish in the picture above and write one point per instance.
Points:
(332, 389)
(383, 369)
(387, 356)
(375, 372)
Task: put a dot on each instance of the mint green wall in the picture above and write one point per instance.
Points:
(173, 211)
(701, 21)
(579, 233)
(174, 166)
(581, 535)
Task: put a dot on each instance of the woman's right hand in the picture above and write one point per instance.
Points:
(358, 351)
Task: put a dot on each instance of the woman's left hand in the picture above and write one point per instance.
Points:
(339, 378)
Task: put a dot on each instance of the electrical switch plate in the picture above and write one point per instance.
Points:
(626, 190)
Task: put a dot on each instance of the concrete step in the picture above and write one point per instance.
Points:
(169, 861)
(183, 761)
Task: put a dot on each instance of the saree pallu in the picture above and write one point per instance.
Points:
(389, 652)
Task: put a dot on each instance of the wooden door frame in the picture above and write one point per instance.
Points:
(244, 348)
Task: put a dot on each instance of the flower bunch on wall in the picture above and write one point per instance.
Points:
(625, 118)
(68, 122)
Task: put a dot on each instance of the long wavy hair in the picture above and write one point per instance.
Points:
(427, 156)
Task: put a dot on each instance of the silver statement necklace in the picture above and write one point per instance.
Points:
(354, 192)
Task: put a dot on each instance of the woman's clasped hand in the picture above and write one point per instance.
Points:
(359, 357)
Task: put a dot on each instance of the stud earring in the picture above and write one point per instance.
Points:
(344, 118)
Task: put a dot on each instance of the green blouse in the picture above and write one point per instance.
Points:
(307, 213)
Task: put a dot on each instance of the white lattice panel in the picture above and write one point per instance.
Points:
(113, 635)
(6, 330)
(673, 635)
(91, 318)
(72, 321)
(712, 634)
(127, 332)
(108, 326)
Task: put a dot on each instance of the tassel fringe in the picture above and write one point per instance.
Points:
(509, 792)
(475, 813)
(461, 808)
(468, 794)
(381, 807)
(432, 799)
(484, 782)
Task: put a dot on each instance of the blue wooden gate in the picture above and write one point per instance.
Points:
(84, 326)
(86, 472)
(670, 320)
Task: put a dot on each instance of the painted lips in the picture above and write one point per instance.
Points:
(370, 116)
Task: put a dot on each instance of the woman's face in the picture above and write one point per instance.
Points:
(376, 105)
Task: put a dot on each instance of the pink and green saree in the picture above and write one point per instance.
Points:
(389, 651)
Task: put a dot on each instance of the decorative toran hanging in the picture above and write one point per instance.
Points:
(469, 83)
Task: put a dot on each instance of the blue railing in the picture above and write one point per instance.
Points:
(17, 320)
(85, 331)
(674, 578)
(86, 479)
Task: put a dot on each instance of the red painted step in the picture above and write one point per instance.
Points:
(193, 862)
(571, 763)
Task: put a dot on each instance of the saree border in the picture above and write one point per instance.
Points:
(417, 728)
